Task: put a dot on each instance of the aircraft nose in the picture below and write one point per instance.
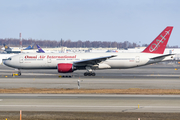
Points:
(4, 61)
(8, 62)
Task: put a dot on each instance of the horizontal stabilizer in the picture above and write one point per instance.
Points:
(162, 56)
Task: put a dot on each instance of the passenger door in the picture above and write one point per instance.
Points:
(137, 59)
(49, 60)
(21, 60)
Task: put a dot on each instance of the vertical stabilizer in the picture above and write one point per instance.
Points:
(6, 47)
(158, 45)
(39, 49)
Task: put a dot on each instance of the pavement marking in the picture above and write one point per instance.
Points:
(89, 106)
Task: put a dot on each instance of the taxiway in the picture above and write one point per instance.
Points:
(90, 103)
(147, 77)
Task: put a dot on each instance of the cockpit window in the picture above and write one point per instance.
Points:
(9, 59)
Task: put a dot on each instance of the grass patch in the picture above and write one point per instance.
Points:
(91, 91)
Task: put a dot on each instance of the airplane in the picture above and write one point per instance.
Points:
(29, 47)
(39, 49)
(8, 49)
(69, 62)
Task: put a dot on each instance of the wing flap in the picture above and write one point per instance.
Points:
(93, 61)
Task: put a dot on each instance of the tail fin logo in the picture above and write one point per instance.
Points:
(158, 45)
(155, 46)
(6, 47)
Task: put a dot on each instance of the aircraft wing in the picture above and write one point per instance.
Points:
(93, 61)
(162, 56)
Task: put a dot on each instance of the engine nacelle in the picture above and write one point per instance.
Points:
(65, 67)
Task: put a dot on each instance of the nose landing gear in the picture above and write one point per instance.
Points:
(17, 74)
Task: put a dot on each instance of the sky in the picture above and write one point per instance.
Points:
(138, 21)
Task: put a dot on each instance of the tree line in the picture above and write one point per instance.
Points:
(12, 42)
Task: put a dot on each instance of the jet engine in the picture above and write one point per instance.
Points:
(65, 67)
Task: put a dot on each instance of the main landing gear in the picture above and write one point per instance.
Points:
(89, 74)
(66, 76)
(89, 71)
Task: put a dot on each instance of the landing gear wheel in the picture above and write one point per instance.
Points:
(85, 74)
(89, 74)
(66, 76)
(19, 73)
(93, 74)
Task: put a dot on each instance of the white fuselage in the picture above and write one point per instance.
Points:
(50, 60)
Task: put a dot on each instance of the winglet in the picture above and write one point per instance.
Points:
(158, 45)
